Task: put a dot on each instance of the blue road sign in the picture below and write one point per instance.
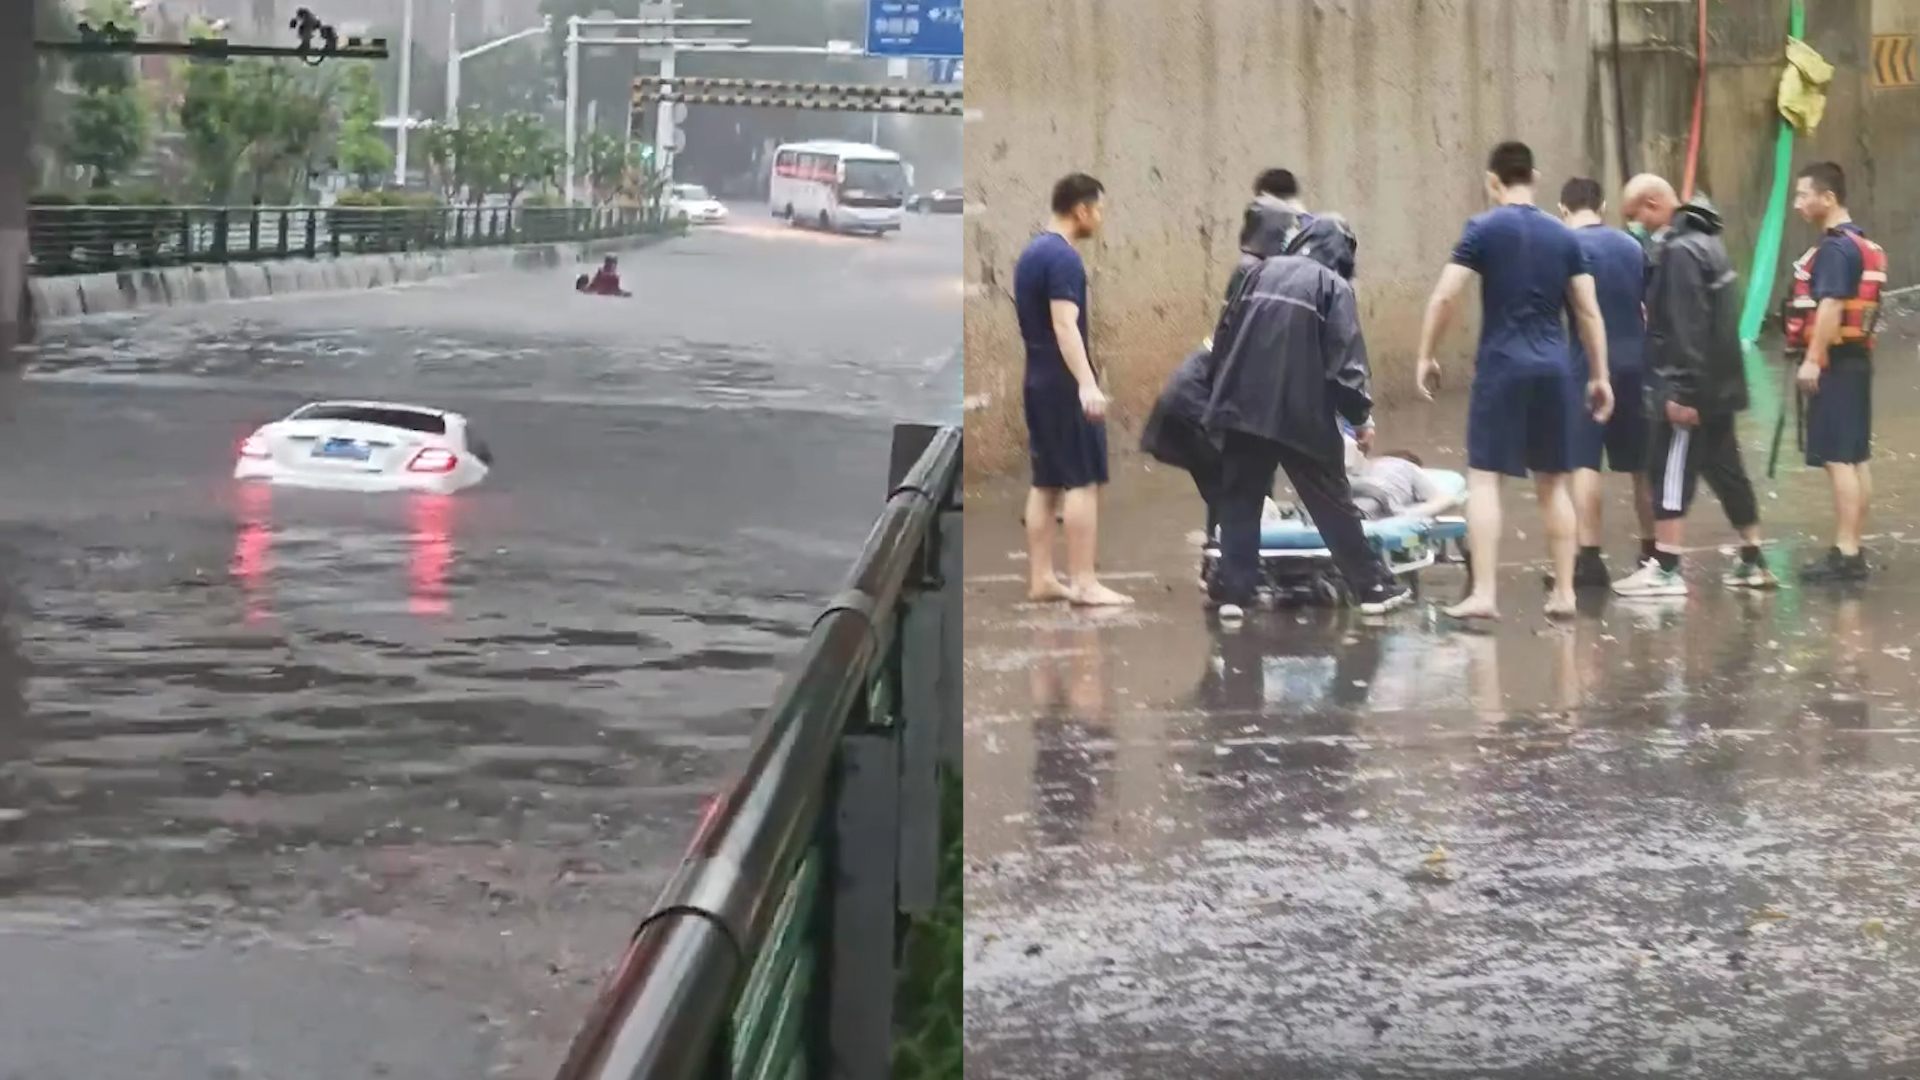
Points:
(928, 29)
(943, 72)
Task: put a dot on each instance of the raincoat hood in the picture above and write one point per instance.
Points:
(1266, 227)
(1698, 214)
(1329, 241)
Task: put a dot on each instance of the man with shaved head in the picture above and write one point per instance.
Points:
(1698, 385)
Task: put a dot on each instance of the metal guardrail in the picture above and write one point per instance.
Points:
(100, 239)
(774, 951)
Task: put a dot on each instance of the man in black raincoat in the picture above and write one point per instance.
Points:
(1174, 433)
(1288, 361)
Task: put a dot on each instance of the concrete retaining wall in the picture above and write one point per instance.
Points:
(1385, 109)
(94, 294)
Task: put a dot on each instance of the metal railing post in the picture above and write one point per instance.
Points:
(313, 232)
(857, 953)
(952, 694)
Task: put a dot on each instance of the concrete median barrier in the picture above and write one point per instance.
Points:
(71, 296)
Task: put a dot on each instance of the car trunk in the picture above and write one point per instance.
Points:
(333, 446)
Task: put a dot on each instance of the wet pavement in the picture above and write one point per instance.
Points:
(312, 785)
(1677, 838)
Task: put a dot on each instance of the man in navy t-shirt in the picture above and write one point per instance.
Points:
(1837, 377)
(1065, 407)
(1525, 402)
(1619, 267)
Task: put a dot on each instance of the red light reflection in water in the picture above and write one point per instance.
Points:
(430, 552)
(253, 546)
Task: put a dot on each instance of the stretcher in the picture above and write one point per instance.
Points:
(1297, 568)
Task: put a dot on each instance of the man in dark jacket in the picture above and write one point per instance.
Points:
(1699, 385)
(1173, 432)
(1287, 362)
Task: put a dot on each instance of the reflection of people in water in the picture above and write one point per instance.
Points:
(1074, 755)
(1259, 785)
(605, 281)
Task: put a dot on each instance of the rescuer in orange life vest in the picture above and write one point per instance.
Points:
(1830, 314)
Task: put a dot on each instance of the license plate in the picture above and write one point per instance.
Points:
(343, 450)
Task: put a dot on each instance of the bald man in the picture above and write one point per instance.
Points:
(1698, 386)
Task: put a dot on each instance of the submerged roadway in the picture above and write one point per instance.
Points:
(301, 785)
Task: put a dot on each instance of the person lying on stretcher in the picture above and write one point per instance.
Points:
(1395, 484)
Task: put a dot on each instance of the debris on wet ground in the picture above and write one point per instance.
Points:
(1678, 838)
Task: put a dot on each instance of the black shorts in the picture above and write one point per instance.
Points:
(1678, 458)
(1623, 438)
(1067, 450)
(1840, 416)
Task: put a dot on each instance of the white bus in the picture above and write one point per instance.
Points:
(838, 185)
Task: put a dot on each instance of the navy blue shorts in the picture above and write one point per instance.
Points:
(1067, 450)
(1522, 421)
(1623, 438)
(1840, 416)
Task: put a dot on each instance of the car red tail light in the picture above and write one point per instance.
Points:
(254, 446)
(433, 460)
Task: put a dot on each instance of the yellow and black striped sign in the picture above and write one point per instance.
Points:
(900, 105)
(1893, 61)
(650, 87)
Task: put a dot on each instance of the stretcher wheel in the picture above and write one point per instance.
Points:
(1328, 591)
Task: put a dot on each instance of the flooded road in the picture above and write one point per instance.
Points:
(1678, 838)
(312, 785)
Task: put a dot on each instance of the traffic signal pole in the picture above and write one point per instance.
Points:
(656, 34)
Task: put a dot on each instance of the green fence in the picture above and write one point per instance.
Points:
(99, 239)
(777, 952)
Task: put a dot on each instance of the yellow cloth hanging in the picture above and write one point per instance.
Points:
(1803, 87)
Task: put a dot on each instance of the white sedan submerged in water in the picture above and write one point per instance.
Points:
(371, 446)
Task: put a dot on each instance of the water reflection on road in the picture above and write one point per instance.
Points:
(457, 738)
(1671, 838)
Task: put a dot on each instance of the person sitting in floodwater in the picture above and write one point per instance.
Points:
(606, 280)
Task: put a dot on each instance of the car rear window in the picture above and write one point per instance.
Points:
(405, 419)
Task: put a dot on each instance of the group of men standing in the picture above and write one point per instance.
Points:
(1649, 380)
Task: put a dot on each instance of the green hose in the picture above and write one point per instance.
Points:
(1769, 392)
(1766, 250)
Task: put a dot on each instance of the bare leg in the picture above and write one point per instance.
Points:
(1082, 513)
(1866, 496)
(1643, 503)
(1556, 510)
(1042, 584)
(1483, 532)
(1586, 506)
(1849, 507)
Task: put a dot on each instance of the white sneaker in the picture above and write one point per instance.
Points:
(1230, 612)
(1651, 580)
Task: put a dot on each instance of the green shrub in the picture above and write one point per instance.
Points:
(929, 1041)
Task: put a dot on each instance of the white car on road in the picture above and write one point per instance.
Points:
(369, 446)
(694, 203)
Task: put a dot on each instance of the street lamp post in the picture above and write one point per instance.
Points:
(455, 57)
(406, 95)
